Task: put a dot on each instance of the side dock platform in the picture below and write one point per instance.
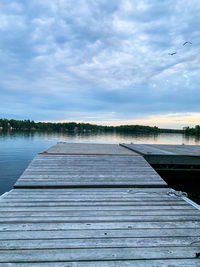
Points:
(96, 205)
(179, 165)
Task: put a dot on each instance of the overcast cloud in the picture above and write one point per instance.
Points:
(99, 60)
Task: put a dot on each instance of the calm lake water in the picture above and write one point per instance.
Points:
(17, 149)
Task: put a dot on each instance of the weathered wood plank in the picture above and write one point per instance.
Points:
(60, 206)
(96, 225)
(106, 158)
(108, 242)
(95, 204)
(91, 198)
(122, 233)
(85, 199)
(87, 213)
(93, 178)
(88, 195)
(94, 181)
(89, 178)
(98, 199)
(98, 254)
(100, 202)
(85, 168)
(75, 171)
(83, 219)
(114, 263)
(88, 171)
(86, 184)
(93, 190)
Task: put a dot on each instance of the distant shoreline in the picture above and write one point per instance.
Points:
(27, 125)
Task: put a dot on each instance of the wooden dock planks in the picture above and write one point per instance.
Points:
(158, 149)
(48, 170)
(95, 209)
(91, 225)
(88, 149)
(182, 156)
(116, 263)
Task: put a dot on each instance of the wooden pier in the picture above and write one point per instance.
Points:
(96, 205)
(167, 154)
(178, 165)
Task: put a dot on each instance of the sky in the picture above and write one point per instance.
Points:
(100, 61)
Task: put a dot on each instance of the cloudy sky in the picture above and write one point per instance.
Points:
(101, 61)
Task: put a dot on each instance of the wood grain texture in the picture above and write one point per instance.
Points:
(119, 213)
(88, 149)
(86, 226)
(158, 149)
(89, 171)
(99, 254)
(117, 263)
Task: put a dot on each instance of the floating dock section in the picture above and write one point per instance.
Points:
(96, 205)
(167, 154)
(179, 165)
(95, 165)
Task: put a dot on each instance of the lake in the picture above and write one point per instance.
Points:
(17, 149)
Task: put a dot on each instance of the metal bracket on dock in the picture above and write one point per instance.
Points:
(177, 193)
(183, 195)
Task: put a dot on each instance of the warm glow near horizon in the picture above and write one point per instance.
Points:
(171, 121)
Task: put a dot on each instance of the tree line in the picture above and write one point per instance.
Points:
(31, 125)
(194, 131)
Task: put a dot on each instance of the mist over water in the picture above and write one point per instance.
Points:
(17, 149)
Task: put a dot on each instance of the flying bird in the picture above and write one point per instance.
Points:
(187, 43)
(171, 54)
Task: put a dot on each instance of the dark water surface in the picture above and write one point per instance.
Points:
(17, 149)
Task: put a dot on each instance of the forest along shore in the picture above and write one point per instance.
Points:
(6, 124)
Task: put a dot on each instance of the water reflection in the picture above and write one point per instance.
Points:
(17, 149)
(99, 137)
